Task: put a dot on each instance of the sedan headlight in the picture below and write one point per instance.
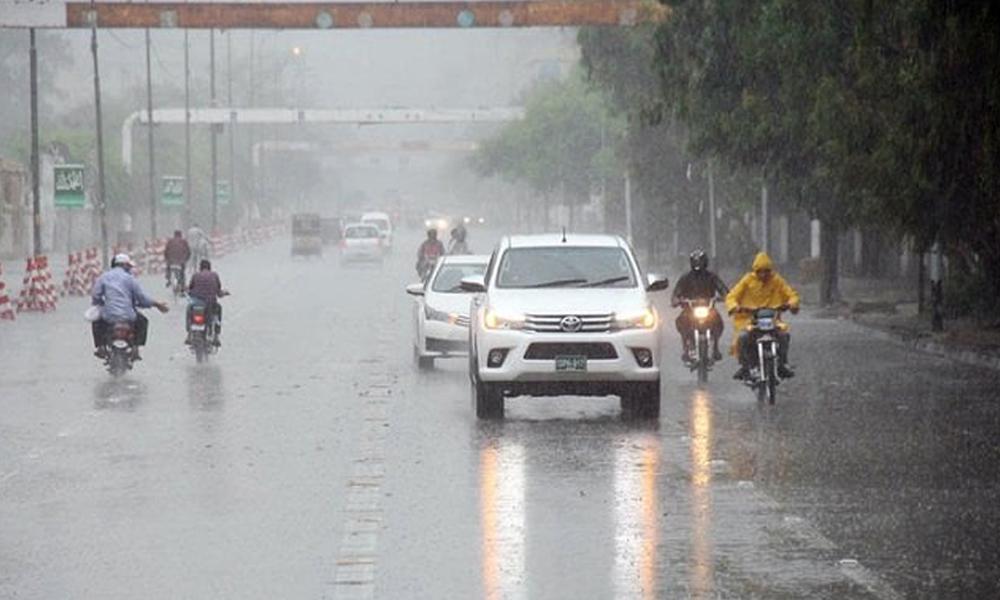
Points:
(642, 319)
(495, 320)
(432, 314)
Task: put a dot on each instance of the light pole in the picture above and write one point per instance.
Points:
(213, 132)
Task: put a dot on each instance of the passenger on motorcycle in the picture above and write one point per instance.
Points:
(176, 253)
(698, 284)
(458, 245)
(118, 294)
(761, 288)
(206, 288)
(429, 251)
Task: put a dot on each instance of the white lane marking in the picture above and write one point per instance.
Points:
(357, 558)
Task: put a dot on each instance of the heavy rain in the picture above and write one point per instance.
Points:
(506, 299)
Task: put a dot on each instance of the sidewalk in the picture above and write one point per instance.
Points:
(889, 309)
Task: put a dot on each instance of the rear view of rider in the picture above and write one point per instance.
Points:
(119, 294)
(176, 254)
(429, 251)
(761, 288)
(698, 284)
(206, 288)
(458, 243)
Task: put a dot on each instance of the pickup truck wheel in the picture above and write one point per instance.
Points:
(487, 399)
(642, 400)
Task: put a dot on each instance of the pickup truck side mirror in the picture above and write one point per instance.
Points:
(415, 289)
(656, 283)
(474, 284)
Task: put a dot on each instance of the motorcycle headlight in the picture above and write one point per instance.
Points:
(701, 312)
(496, 320)
(642, 319)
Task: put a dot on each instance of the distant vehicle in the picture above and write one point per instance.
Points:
(331, 230)
(474, 220)
(439, 222)
(361, 242)
(564, 315)
(441, 309)
(307, 237)
(384, 224)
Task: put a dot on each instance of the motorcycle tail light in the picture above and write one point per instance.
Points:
(199, 319)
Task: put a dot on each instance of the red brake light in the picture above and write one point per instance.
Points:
(199, 319)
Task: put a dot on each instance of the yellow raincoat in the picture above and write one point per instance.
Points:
(752, 292)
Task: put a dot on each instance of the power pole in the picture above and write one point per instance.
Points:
(187, 134)
(213, 132)
(250, 130)
(628, 206)
(36, 199)
(232, 117)
(712, 239)
(764, 218)
(101, 203)
(149, 131)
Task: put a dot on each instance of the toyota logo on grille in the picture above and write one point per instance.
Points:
(571, 324)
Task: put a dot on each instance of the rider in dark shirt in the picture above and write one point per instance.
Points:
(699, 284)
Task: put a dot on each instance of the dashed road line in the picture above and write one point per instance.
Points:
(357, 559)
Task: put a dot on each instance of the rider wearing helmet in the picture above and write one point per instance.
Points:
(761, 288)
(698, 284)
(118, 294)
(429, 251)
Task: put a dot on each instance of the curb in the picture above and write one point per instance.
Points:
(930, 346)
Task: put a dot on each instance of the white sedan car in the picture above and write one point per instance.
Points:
(564, 315)
(441, 309)
(361, 242)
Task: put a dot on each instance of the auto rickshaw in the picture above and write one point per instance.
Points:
(307, 235)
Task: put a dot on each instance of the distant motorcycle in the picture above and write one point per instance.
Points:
(764, 340)
(120, 349)
(203, 329)
(700, 356)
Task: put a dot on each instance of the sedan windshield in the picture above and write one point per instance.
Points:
(565, 266)
(450, 276)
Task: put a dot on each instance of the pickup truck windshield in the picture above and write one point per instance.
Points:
(565, 266)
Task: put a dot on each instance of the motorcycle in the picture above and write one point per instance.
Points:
(174, 280)
(763, 377)
(120, 349)
(203, 330)
(425, 267)
(700, 356)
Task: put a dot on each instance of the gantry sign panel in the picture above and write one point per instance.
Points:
(329, 15)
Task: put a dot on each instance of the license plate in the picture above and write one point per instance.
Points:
(571, 363)
(197, 328)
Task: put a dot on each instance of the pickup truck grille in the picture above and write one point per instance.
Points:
(553, 323)
(550, 350)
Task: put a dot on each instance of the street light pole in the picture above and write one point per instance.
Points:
(232, 117)
(36, 201)
(712, 239)
(149, 130)
(101, 203)
(212, 131)
(187, 134)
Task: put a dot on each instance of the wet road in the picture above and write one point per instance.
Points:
(310, 459)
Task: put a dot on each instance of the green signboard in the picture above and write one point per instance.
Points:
(222, 193)
(172, 191)
(69, 186)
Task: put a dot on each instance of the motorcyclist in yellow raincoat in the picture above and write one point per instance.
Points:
(761, 288)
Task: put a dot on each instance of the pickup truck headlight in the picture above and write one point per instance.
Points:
(642, 319)
(495, 320)
(432, 314)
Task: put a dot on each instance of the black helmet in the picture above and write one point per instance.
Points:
(699, 260)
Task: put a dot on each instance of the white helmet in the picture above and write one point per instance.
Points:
(122, 260)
